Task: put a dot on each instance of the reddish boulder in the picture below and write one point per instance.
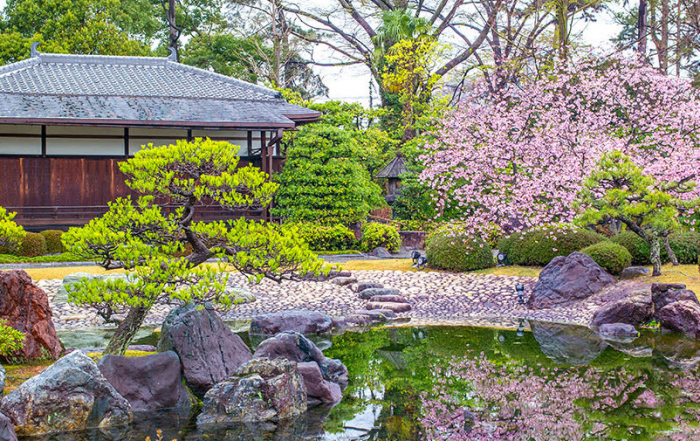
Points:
(26, 308)
(633, 306)
(566, 280)
(663, 298)
(317, 388)
(683, 317)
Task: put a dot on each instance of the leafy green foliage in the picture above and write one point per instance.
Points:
(450, 248)
(53, 241)
(10, 339)
(326, 237)
(11, 234)
(376, 235)
(324, 179)
(637, 247)
(33, 244)
(686, 246)
(539, 246)
(611, 256)
(65, 257)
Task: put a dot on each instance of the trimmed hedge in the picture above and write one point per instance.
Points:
(65, 257)
(326, 238)
(53, 241)
(685, 245)
(538, 247)
(611, 256)
(379, 235)
(32, 245)
(457, 251)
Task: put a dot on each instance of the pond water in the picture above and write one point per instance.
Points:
(463, 383)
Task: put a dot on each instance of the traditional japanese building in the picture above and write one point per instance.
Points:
(66, 121)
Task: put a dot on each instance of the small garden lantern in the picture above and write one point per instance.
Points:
(392, 172)
(502, 259)
(520, 289)
(521, 329)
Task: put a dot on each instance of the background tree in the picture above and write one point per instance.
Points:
(617, 189)
(11, 234)
(141, 238)
(518, 159)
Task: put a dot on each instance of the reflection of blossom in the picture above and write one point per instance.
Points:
(517, 403)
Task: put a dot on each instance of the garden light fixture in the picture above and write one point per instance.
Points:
(521, 293)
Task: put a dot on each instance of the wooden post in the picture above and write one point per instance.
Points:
(263, 153)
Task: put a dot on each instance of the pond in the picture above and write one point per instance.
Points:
(462, 383)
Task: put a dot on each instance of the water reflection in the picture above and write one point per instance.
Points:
(562, 381)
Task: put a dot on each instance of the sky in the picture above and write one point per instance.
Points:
(351, 83)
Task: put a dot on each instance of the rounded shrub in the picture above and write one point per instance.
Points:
(326, 237)
(379, 235)
(32, 245)
(611, 256)
(686, 246)
(539, 246)
(451, 249)
(53, 241)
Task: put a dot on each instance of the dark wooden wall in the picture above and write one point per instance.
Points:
(63, 191)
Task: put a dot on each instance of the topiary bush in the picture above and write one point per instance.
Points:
(11, 340)
(53, 241)
(326, 238)
(611, 256)
(452, 249)
(33, 244)
(539, 246)
(379, 235)
(686, 246)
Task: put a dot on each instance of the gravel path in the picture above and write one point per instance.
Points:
(435, 298)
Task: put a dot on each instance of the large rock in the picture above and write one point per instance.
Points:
(153, 382)
(318, 390)
(304, 322)
(621, 332)
(71, 394)
(295, 347)
(7, 432)
(663, 298)
(683, 317)
(634, 272)
(260, 390)
(630, 303)
(209, 351)
(566, 280)
(26, 308)
(567, 344)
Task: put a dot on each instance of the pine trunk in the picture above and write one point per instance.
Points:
(126, 331)
(669, 251)
(655, 256)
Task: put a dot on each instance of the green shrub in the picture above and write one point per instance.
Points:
(611, 256)
(10, 339)
(686, 246)
(65, 257)
(326, 238)
(53, 241)
(379, 235)
(539, 246)
(451, 249)
(33, 244)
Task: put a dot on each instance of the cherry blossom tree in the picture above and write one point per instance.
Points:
(518, 157)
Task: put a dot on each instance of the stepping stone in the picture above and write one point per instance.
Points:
(354, 320)
(342, 281)
(371, 292)
(361, 286)
(378, 315)
(396, 307)
(389, 298)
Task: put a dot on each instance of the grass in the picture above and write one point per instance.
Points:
(19, 373)
(98, 355)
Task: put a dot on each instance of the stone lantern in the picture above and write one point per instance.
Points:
(391, 173)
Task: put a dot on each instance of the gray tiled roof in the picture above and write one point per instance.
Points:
(135, 90)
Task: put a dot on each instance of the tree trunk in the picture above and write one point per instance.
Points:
(669, 251)
(655, 256)
(173, 35)
(642, 30)
(126, 331)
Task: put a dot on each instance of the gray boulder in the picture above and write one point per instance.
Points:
(343, 281)
(295, 347)
(634, 272)
(260, 390)
(633, 305)
(153, 382)
(71, 394)
(371, 292)
(209, 351)
(7, 432)
(566, 280)
(682, 317)
(304, 322)
(380, 252)
(567, 344)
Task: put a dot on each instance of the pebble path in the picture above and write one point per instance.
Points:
(434, 297)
